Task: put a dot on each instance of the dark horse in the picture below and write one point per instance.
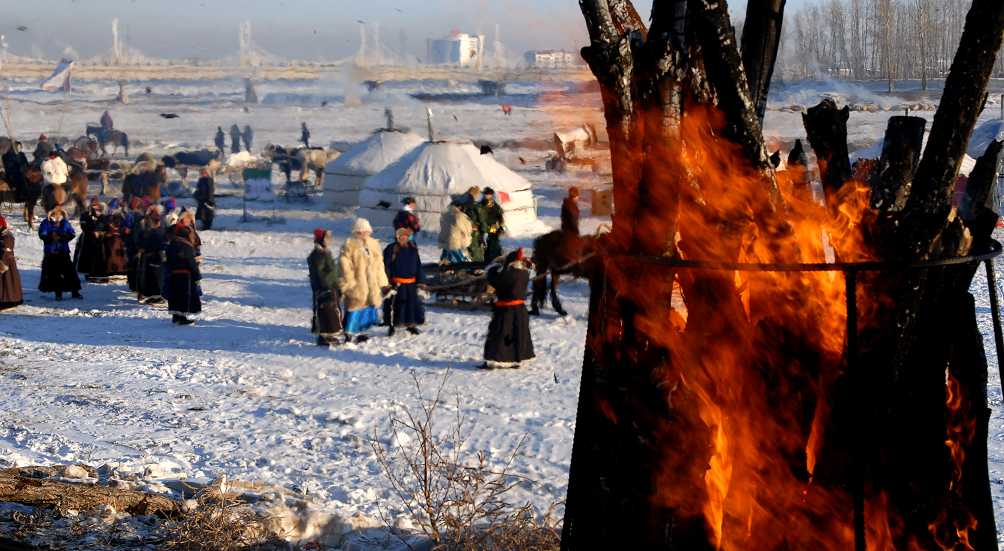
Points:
(555, 254)
(116, 138)
(26, 191)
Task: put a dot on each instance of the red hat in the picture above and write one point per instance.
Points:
(319, 235)
(3, 222)
(42, 137)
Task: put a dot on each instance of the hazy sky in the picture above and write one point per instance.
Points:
(309, 29)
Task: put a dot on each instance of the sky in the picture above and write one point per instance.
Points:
(298, 29)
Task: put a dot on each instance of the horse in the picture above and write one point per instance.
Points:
(75, 189)
(116, 138)
(144, 181)
(27, 192)
(301, 159)
(203, 158)
(554, 254)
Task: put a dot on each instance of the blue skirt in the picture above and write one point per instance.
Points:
(360, 320)
(455, 256)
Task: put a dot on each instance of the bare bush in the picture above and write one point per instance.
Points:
(220, 521)
(457, 499)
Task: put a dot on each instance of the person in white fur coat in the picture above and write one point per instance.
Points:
(455, 231)
(363, 279)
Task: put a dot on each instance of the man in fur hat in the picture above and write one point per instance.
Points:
(205, 197)
(54, 170)
(404, 270)
(407, 219)
(509, 342)
(363, 281)
(89, 253)
(58, 275)
(468, 204)
(570, 212)
(327, 320)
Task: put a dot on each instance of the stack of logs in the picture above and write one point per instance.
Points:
(889, 418)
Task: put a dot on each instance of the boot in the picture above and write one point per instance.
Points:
(362, 338)
(77, 295)
(185, 321)
(414, 330)
(59, 295)
(391, 331)
(321, 341)
(175, 318)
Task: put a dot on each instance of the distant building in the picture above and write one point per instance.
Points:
(461, 49)
(552, 59)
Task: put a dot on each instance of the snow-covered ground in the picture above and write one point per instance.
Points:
(246, 393)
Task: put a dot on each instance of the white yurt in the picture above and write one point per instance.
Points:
(344, 176)
(436, 172)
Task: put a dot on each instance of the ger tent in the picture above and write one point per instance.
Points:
(344, 176)
(436, 172)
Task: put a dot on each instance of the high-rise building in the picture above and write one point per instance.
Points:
(461, 49)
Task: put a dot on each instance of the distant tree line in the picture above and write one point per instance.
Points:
(874, 39)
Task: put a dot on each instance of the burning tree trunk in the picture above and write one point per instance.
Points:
(749, 419)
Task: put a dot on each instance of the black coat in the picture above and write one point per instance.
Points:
(89, 254)
(570, 216)
(150, 242)
(403, 263)
(183, 276)
(509, 338)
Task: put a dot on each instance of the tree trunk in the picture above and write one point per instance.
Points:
(826, 129)
(901, 149)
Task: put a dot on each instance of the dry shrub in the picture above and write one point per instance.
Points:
(458, 500)
(220, 521)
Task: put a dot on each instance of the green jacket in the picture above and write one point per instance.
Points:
(323, 270)
(491, 218)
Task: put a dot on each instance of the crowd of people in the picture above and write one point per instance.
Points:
(351, 291)
(155, 247)
(236, 136)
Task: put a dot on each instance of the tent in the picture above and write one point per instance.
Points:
(983, 135)
(436, 172)
(344, 176)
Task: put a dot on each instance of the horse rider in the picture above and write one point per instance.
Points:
(305, 135)
(570, 212)
(106, 122)
(54, 170)
(220, 140)
(15, 164)
(42, 149)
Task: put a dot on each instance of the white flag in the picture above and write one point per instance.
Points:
(60, 79)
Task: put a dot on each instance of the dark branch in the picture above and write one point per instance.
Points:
(761, 39)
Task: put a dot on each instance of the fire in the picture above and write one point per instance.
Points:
(951, 529)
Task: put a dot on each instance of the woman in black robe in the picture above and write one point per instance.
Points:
(183, 299)
(404, 271)
(150, 244)
(509, 342)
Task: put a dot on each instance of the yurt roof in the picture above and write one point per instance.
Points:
(375, 153)
(446, 168)
(983, 135)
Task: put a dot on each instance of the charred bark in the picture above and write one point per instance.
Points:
(760, 42)
(826, 129)
(901, 149)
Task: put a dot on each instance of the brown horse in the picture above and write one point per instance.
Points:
(145, 183)
(554, 254)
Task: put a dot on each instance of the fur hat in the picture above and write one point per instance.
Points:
(488, 191)
(171, 218)
(474, 190)
(408, 201)
(319, 235)
(402, 231)
(362, 225)
(515, 256)
(573, 191)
